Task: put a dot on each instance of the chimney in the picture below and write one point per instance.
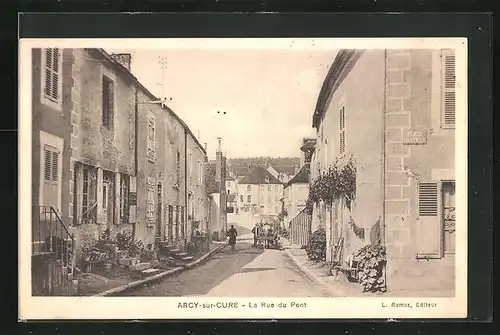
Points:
(219, 147)
(123, 59)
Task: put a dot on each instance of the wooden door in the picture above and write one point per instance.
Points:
(448, 217)
(429, 224)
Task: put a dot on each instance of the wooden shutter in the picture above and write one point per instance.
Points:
(428, 227)
(47, 165)
(51, 72)
(449, 81)
(111, 103)
(133, 203)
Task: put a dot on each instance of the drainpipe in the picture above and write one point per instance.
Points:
(136, 160)
(384, 140)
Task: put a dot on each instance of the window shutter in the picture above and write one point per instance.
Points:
(111, 103)
(55, 166)
(51, 71)
(428, 199)
(449, 82)
(55, 74)
(429, 232)
(48, 164)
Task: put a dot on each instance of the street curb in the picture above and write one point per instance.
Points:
(311, 276)
(160, 275)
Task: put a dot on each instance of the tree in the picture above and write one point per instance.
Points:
(210, 182)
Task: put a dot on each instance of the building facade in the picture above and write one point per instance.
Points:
(296, 192)
(259, 193)
(393, 113)
(107, 156)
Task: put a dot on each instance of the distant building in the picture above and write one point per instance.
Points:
(259, 193)
(296, 192)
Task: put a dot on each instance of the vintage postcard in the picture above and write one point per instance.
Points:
(243, 178)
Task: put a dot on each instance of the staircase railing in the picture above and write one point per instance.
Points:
(53, 242)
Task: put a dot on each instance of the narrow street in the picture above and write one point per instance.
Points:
(244, 272)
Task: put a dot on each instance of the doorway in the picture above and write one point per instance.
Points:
(159, 207)
(108, 199)
(448, 189)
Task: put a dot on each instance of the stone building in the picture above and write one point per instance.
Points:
(393, 111)
(118, 160)
(259, 193)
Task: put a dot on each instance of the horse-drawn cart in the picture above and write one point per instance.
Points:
(269, 237)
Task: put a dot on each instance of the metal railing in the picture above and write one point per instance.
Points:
(300, 228)
(54, 245)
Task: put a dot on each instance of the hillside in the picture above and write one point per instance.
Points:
(240, 166)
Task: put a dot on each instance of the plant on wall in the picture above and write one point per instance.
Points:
(371, 264)
(336, 182)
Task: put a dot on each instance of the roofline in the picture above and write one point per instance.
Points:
(134, 79)
(292, 181)
(341, 66)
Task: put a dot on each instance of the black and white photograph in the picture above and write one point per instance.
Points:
(243, 177)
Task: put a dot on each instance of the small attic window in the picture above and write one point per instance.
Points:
(267, 179)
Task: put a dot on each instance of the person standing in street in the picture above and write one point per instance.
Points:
(232, 236)
(256, 232)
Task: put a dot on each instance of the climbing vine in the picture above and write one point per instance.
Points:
(336, 182)
(371, 264)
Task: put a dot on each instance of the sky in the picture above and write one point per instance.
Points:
(259, 101)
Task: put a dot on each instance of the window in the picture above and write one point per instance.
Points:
(51, 171)
(228, 191)
(151, 138)
(51, 75)
(170, 222)
(249, 198)
(124, 198)
(342, 139)
(151, 201)
(277, 188)
(89, 194)
(108, 102)
(448, 84)
(178, 165)
(51, 184)
(249, 188)
(182, 221)
(241, 198)
(269, 188)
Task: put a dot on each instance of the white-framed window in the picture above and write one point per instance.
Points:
(448, 81)
(51, 77)
(150, 214)
(342, 130)
(51, 153)
(151, 137)
(269, 188)
(249, 188)
(108, 102)
(249, 198)
(241, 198)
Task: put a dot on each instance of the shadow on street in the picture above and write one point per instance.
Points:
(203, 278)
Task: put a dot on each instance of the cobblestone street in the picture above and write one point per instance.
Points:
(244, 272)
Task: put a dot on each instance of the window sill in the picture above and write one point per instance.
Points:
(57, 105)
